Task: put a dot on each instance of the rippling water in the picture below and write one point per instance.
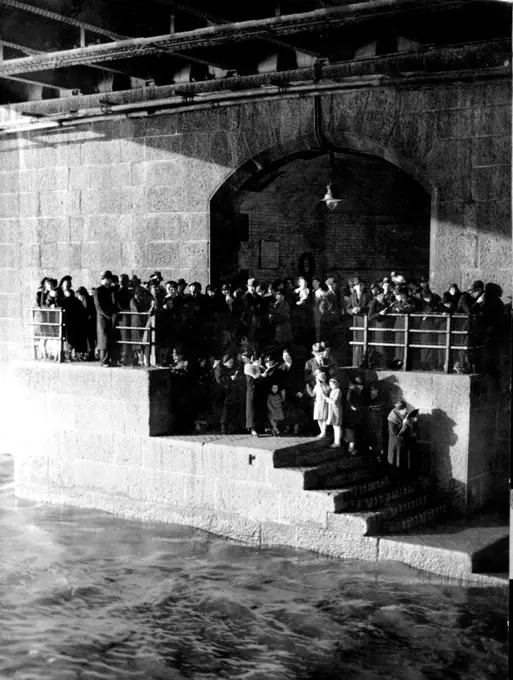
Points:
(84, 595)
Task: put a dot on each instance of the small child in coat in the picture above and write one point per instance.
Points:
(376, 423)
(334, 401)
(275, 408)
(319, 392)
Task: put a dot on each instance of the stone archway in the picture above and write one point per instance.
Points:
(274, 197)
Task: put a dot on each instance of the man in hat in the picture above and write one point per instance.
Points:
(360, 299)
(316, 363)
(252, 310)
(355, 416)
(106, 313)
(469, 298)
(182, 285)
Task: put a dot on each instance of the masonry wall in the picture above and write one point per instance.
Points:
(134, 195)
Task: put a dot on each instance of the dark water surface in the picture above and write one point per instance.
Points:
(84, 595)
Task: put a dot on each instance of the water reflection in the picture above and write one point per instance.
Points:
(85, 595)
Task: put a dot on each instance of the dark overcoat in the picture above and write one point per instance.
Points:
(106, 309)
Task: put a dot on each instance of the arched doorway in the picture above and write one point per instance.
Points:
(265, 224)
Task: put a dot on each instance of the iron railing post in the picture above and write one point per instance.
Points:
(60, 313)
(448, 331)
(365, 340)
(406, 341)
(153, 353)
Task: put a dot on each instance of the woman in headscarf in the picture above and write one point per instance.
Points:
(402, 437)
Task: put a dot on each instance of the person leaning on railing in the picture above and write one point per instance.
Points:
(90, 321)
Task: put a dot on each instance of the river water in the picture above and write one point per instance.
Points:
(84, 595)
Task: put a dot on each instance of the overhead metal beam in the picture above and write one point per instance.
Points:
(218, 21)
(31, 51)
(219, 35)
(31, 9)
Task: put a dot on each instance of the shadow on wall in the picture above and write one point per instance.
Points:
(436, 438)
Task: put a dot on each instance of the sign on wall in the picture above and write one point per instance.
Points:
(269, 254)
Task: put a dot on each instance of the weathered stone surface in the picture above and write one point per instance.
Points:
(94, 446)
(157, 255)
(106, 200)
(194, 254)
(98, 153)
(58, 203)
(494, 150)
(357, 523)
(108, 228)
(79, 177)
(427, 558)
(491, 250)
(9, 205)
(118, 175)
(226, 462)
(11, 230)
(275, 533)
(303, 507)
(94, 253)
(491, 182)
(163, 148)
(166, 199)
(336, 545)
(128, 450)
(256, 501)
(490, 120)
(161, 227)
(161, 173)
(455, 245)
(236, 527)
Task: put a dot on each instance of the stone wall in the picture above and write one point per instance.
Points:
(134, 194)
(89, 424)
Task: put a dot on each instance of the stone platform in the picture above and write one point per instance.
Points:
(96, 438)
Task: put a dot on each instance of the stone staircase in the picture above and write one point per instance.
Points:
(368, 499)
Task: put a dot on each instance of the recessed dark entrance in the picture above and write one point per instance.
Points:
(381, 224)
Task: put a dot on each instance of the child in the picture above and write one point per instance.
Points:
(376, 424)
(275, 408)
(335, 411)
(320, 391)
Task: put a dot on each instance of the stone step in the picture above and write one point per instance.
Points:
(415, 518)
(415, 501)
(382, 497)
(343, 496)
(306, 455)
(335, 474)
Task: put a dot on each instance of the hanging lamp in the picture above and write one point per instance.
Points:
(329, 199)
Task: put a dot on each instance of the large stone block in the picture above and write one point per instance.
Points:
(98, 153)
(337, 545)
(455, 123)
(10, 255)
(50, 179)
(9, 205)
(425, 557)
(108, 201)
(29, 204)
(100, 415)
(491, 182)
(235, 527)
(248, 499)
(88, 445)
(80, 177)
(136, 417)
(203, 180)
(275, 533)
(161, 227)
(494, 150)
(194, 255)
(99, 255)
(164, 487)
(9, 181)
(200, 491)
(449, 164)
(11, 231)
(109, 228)
(157, 255)
(304, 507)
(52, 155)
(494, 251)
(454, 245)
(58, 203)
(492, 120)
(163, 148)
(166, 199)
(158, 173)
(34, 377)
(227, 462)
(128, 450)
(119, 175)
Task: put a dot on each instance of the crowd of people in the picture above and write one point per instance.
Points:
(259, 357)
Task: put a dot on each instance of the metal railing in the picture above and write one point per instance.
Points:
(136, 338)
(47, 333)
(416, 342)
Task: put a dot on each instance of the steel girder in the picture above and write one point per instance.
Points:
(176, 43)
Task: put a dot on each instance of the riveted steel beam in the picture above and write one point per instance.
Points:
(213, 36)
(31, 51)
(23, 7)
